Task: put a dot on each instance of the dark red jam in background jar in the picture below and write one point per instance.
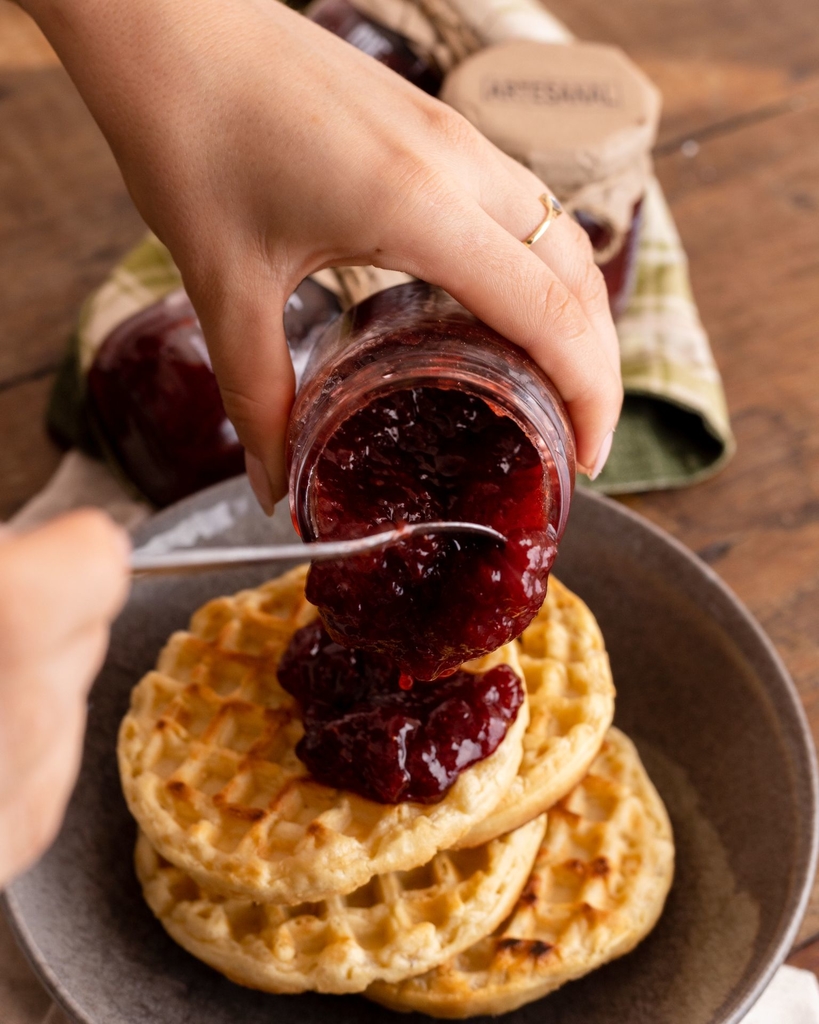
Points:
(367, 731)
(156, 403)
(616, 259)
(413, 410)
(154, 398)
(378, 41)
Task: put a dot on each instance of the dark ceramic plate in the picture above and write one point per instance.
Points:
(700, 689)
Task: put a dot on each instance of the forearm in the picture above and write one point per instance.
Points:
(147, 71)
(125, 60)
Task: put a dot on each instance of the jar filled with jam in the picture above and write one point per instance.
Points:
(584, 118)
(412, 410)
(154, 401)
(400, 53)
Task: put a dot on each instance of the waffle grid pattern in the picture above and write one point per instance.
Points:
(597, 888)
(571, 705)
(398, 924)
(209, 769)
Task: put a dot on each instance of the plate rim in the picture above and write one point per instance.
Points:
(803, 757)
(806, 751)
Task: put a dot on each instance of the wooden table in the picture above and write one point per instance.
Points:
(739, 158)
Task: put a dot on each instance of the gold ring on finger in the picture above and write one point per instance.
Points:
(553, 211)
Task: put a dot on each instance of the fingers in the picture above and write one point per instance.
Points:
(31, 813)
(550, 299)
(58, 580)
(566, 249)
(246, 340)
(504, 283)
(60, 586)
(46, 693)
(514, 203)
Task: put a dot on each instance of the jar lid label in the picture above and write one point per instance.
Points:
(576, 113)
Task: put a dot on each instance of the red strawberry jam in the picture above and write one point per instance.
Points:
(154, 398)
(431, 603)
(156, 403)
(363, 731)
(619, 269)
(410, 410)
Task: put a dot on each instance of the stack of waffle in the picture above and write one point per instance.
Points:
(542, 862)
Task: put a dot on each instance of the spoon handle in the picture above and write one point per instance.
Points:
(144, 561)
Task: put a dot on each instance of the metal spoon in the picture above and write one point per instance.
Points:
(144, 562)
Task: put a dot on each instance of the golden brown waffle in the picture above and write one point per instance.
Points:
(571, 705)
(397, 925)
(598, 886)
(207, 757)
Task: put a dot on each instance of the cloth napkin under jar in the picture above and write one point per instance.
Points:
(674, 429)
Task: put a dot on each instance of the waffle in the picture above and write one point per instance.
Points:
(397, 925)
(571, 705)
(209, 768)
(598, 886)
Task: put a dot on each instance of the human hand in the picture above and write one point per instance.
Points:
(260, 148)
(60, 587)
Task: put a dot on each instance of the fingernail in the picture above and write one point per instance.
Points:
(602, 456)
(257, 475)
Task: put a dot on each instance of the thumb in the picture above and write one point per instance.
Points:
(244, 331)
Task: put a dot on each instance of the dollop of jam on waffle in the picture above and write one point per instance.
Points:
(368, 731)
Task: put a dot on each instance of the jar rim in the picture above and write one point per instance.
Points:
(541, 416)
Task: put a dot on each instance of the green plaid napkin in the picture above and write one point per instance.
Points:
(674, 429)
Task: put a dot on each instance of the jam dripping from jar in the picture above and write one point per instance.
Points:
(431, 603)
(365, 733)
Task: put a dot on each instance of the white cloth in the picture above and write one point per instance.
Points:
(77, 482)
(791, 998)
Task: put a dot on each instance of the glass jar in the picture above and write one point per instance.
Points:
(617, 261)
(411, 336)
(154, 401)
(156, 405)
(410, 410)
(306, 313)
(371, 37)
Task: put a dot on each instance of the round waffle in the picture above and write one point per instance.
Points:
(207, 756)
(597, 888)
(398, 924)
(571, 705)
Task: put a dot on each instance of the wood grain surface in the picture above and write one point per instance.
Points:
(741, 85)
